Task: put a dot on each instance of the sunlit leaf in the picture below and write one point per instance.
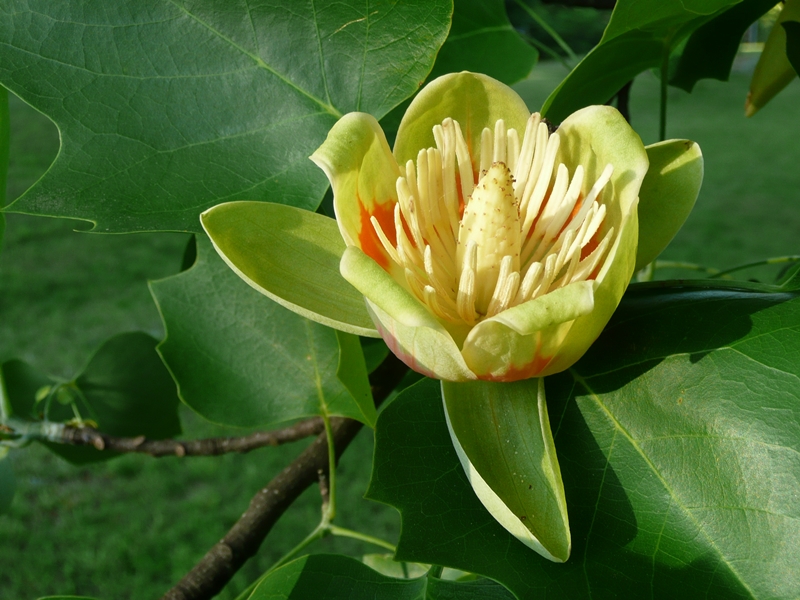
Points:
(640, 35)
(166, 108)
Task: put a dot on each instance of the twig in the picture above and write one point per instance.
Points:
(227, 556)
(88, 436)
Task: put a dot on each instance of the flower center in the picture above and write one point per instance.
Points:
(470, 250)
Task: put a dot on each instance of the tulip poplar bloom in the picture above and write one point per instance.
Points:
(486, 246)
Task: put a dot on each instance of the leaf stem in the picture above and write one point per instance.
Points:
(329, 511)
(550, 31)
(357, 535)
(671, 264)
(768, 261)
(435, 571)
(547, 50)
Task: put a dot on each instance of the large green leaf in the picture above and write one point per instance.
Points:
(678, 436)
(639, 36)
(292, 256)
(168, 107)
(336, 577)
(711, 48)
(125, 389)
(241, 359)
(483, 40)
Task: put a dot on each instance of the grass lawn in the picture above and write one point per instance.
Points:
(133, 526)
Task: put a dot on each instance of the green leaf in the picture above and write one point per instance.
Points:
(241, 359)
(792, 29)
(501, 433)
(483, 40)
(124, 388)
(711, 48)
(667, 196)
(638, 37)
(8, 484)
(292, 256)
(677, 434)
(170, 107)
(334, 577)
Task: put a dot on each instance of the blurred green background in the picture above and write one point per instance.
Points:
(130, 528)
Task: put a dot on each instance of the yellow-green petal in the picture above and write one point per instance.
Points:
(474, 100)
(292, 256)
(407, 327)
(668, 194)
(594, 137)
(363, 173)
(522, 341)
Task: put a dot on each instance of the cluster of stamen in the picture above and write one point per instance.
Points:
(471, 250)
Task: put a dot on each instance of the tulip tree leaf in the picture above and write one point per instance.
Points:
(678, 436)
(336, 577)
(125, 389)
(168, 107)
(483, 40)
(793, 43)
(711, 48)
(638, 37)
(292, 256)
(241, 359)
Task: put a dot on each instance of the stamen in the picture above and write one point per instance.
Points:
(407, 205)
(523, 165)
(390, 250)
(406, 251)
(486, 150)
(547, 278)
(531, 279)
(464, 163)
(506, 288)
(499, 153)
(589, 264)
(542, 138)
(542, 183)
(465, 301)
(434, 277)
(512, 154)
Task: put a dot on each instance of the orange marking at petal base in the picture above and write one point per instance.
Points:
(368, 239)
(591, 245)
(515, 373)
